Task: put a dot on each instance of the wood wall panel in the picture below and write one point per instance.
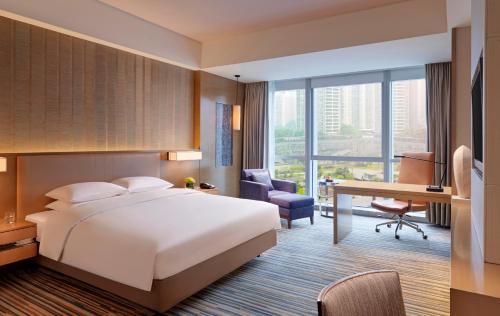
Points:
(52, 128)
(6, 83)
(21, 86)
(37, 94)
(59, 93)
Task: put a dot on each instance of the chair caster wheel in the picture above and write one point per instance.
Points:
(397, 236)
(424, 237)
(377, 230)
(389, 225)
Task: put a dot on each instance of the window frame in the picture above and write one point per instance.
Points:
(385, 77)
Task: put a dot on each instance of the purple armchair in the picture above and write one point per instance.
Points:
(280, 192)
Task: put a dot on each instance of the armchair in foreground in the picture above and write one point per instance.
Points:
(256, 184)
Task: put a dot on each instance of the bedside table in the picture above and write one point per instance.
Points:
(213, 191)
(10, 234)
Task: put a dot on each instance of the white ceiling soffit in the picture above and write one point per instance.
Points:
(393, 54)
(392, 22)
(209, 19)
(458, 12)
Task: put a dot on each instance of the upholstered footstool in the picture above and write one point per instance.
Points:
(294, 206)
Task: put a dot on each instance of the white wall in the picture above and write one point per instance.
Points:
(477, 189)
(402, 20)
(93, 20)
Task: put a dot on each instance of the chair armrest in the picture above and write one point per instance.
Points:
(285, 185)
(253, 190)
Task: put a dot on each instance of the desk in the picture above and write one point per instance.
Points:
(343, 192)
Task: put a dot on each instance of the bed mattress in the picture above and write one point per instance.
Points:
(135, 238)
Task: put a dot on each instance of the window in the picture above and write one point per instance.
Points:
(348, 120)
(409, 122)
(289, 136)
(346, 126)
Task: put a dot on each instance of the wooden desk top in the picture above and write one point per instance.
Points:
(469, 272)
(416, 192)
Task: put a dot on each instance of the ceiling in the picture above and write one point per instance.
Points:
(387, 55)
(204, 20)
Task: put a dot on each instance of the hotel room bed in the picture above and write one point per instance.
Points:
(155, 248)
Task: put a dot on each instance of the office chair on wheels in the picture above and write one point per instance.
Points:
(416, 168)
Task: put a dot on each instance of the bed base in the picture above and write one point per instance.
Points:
(169, 292)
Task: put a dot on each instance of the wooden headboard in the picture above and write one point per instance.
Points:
(38, 174)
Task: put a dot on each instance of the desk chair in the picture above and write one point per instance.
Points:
(411, 171)
(375, 293)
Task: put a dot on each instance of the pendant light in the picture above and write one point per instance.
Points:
(237, 108)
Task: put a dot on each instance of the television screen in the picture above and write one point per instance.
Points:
(477, 114)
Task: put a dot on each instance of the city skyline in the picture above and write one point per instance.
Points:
(358, 106)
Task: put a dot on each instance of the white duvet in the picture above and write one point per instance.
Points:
(135, 238)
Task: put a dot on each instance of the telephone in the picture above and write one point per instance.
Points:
(204, 185)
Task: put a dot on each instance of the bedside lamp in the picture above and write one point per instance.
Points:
(184, 155)
(3, 164)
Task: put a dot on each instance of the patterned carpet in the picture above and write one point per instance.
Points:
(283, 281)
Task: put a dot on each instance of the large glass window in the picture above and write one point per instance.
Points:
(346, 127)
(289, 136)
(409, 122)
(348, 120)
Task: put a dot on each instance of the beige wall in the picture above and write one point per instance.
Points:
(486, 190)
(460, 104)
(217, 89)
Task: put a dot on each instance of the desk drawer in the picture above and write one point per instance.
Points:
(18, 253)
(16, 235)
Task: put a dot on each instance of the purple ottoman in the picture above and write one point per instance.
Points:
(294, 206)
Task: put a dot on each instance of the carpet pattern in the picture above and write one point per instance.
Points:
(283, 281)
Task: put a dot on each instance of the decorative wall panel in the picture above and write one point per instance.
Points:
(60, 93)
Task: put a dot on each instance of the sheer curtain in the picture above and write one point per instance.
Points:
(255, 125)
(438, 77)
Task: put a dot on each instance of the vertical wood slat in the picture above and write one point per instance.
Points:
(59, 93)
(37, 95)
(89, 96)
(120, 106)
(78, 89)
(155, 104)
(164, 107)
(52, 123)
(130, 101)
(65, 93)
(139, 102)
(99, 107)
(21, 86)
(147, 104)
(111, 70)
(6, 85)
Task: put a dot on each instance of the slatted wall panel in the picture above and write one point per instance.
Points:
(61, 93)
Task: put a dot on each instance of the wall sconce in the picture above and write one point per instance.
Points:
(184, 155)
(237, 108)
(3, 164)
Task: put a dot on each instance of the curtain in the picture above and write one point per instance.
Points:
(255, 125)
(438, 77)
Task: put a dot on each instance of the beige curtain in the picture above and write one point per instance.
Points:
(438, 77)
(255, 125)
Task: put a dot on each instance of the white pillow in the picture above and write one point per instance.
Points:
(61, 205)
(86, 191)
(142, 184)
